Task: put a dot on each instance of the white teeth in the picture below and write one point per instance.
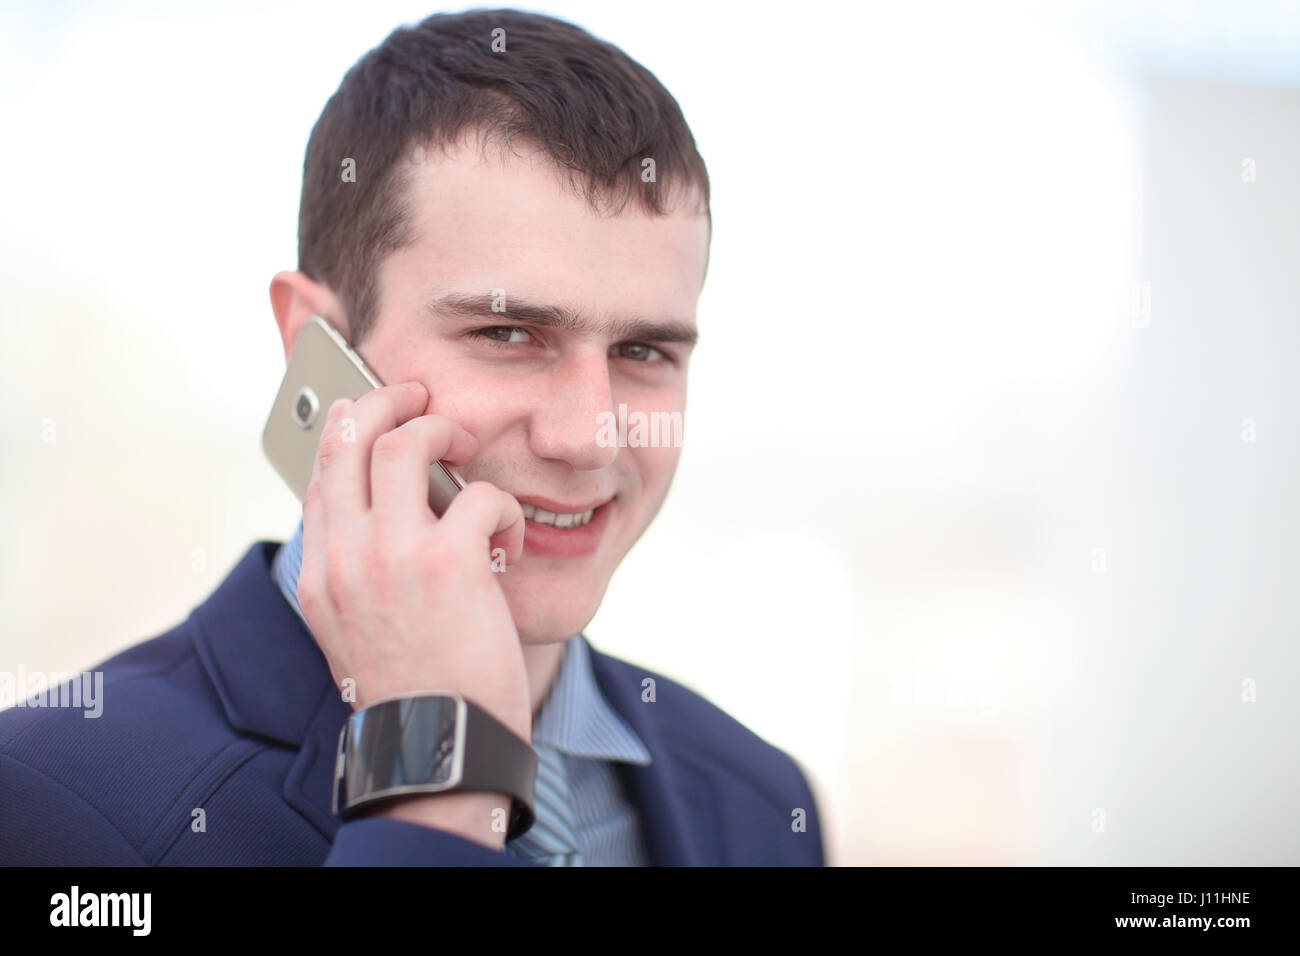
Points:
(556, 521)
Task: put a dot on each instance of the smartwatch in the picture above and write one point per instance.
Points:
(436, 742)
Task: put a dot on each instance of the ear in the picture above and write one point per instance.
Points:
(295, 298)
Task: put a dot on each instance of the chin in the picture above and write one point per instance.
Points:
(550, 618)
(550, 628)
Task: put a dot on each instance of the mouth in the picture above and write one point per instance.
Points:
(559, 530)
(554, 520)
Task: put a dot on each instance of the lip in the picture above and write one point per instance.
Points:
(544, 541)
(560, 508)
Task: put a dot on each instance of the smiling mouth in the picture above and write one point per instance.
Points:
(553, 520)
(565, 534)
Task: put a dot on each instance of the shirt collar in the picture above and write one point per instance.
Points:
(575, 717)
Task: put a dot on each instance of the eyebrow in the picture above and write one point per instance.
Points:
(457, 305)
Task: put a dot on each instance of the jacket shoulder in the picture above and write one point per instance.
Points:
(111, 763)
(752, 776)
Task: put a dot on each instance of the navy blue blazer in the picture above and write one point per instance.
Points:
(234, 712)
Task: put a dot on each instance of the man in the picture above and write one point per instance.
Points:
(508, 220)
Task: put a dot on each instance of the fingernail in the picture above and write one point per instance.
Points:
(413, 387)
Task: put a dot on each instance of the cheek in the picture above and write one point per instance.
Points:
(468, 402)
(655, 468)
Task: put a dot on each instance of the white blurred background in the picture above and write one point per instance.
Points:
(1002, 296)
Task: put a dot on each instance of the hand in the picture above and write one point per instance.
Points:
(399, 600)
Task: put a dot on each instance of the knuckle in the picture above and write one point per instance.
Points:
(484, 494)
(437, 424)
(480, 491)
(330, 449)
(312, 498)
(310, 598)
(391, 445)
(435, 429)
(307, 597)
(394, 399)
(337, 577)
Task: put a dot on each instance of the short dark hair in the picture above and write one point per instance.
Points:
(593, 109)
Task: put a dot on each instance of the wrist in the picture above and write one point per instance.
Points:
(515, 715)
(481, 817)
(395, 752)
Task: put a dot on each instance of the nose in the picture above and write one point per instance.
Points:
(565, 425)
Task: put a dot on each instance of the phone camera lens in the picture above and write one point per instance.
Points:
(305, 408)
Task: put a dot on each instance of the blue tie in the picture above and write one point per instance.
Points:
(551, 840)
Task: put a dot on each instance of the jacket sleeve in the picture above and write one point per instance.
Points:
(378, 841)
(44, 823)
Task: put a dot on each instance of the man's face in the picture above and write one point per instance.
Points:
(511, 233)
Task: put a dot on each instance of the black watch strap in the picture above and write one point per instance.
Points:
(497, 761)
(437, 742)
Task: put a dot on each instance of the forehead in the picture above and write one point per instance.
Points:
(487, 219)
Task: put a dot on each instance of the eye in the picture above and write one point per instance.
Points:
(638, 352)
(505, 334)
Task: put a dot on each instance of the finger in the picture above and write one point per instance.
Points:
(311, 576)
(482, 512)
(313, 502)
(400, 462)
(345, 444)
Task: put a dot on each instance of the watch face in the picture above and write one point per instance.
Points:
(406, 744)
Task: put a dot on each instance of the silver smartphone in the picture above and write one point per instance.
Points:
(322, 368)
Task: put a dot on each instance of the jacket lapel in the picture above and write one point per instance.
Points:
(273, 681)
(677, 802)
(272, 678)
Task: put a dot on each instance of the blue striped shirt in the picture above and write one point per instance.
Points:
(577, 723)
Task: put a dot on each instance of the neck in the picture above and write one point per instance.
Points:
(542, 662)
